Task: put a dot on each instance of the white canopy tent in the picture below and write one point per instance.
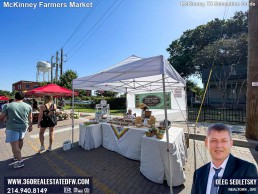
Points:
(135, 75)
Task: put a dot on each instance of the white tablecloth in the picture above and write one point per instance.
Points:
(154, 157)
(129, 145)
(90, 136)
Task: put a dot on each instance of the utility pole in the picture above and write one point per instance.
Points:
(52, 65)
(56, 66)
(252, 73)
(61, 63)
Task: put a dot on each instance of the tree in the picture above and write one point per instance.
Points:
(230, 54)
(5, 93)
(195, 44)
(190, 85)
(105, 93)
(67, 78)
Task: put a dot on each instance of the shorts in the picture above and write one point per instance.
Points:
(12, 136)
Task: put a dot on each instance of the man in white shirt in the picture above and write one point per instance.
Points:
(219, 143)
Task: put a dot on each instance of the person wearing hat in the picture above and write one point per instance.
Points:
(144, 107)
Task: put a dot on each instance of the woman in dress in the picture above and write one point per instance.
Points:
(46, 109)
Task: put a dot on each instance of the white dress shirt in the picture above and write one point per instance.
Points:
(212, 173)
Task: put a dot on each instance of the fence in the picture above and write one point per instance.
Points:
(217, 114)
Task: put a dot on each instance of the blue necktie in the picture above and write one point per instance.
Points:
(214, 188)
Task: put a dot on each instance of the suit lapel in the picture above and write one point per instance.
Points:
(206, 176)
(229, 167)
(228, 170)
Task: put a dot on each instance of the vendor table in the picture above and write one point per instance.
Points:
(129, 145)
(154, 157)
(132, 143)
(90, 136)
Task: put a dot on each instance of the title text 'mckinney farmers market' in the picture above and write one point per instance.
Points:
(41, 4)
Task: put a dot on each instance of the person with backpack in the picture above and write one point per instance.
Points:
(47, 119)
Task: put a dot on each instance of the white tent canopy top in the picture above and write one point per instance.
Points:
(133, 75)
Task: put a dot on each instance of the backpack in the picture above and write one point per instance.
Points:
(49, 120)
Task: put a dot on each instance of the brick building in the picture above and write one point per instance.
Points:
(25, 85)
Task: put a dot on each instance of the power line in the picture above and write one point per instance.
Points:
(97, 24)
(83, 21)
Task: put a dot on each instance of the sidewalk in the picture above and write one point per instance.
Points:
(111, 172)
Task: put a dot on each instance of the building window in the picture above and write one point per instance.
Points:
(19, 87)
(35, 86)
(27, 86)
(233, 70)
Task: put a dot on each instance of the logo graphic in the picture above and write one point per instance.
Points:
(67, 190)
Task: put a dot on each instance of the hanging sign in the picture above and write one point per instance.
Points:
(153, 100)
(178, 92)
(254, 83)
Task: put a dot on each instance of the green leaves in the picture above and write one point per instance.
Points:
(67, 78)
(196, 49)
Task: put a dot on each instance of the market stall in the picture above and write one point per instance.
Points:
(141, 76)
(50, 89)
(3, 98)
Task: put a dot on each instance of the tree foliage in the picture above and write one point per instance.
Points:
(5, 93)
(232, 51)
(190, 85)
(67, 78)
(196, 48)
(105, 93)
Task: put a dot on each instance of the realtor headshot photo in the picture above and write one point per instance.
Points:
(223, 164)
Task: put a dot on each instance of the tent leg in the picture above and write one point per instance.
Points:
(73, 118)
(167, 135)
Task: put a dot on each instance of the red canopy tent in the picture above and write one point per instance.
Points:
(51, 89)
(3, 98)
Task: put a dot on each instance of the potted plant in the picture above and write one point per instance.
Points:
(160, 135)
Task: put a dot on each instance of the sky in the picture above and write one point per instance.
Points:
(96, 37)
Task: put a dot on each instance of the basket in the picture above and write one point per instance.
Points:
(67, 145)
(159, 136)
(138, 125)
(149, 134)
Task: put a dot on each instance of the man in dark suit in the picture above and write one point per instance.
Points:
(219, 142)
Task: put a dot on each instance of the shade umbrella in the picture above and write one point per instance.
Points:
(3, 98)
(50, 89)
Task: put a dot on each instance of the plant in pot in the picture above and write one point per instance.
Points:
(151, 132)
(65, 116)
(160, 135)
(155, 130)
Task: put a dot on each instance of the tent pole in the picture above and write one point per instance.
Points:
(126, 103)
(72, 115)
(167, 135)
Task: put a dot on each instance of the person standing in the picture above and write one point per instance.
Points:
(35, 105)
(18, 117)
(48, 108)
(223, 164)
(143, 107)
(129, 115)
